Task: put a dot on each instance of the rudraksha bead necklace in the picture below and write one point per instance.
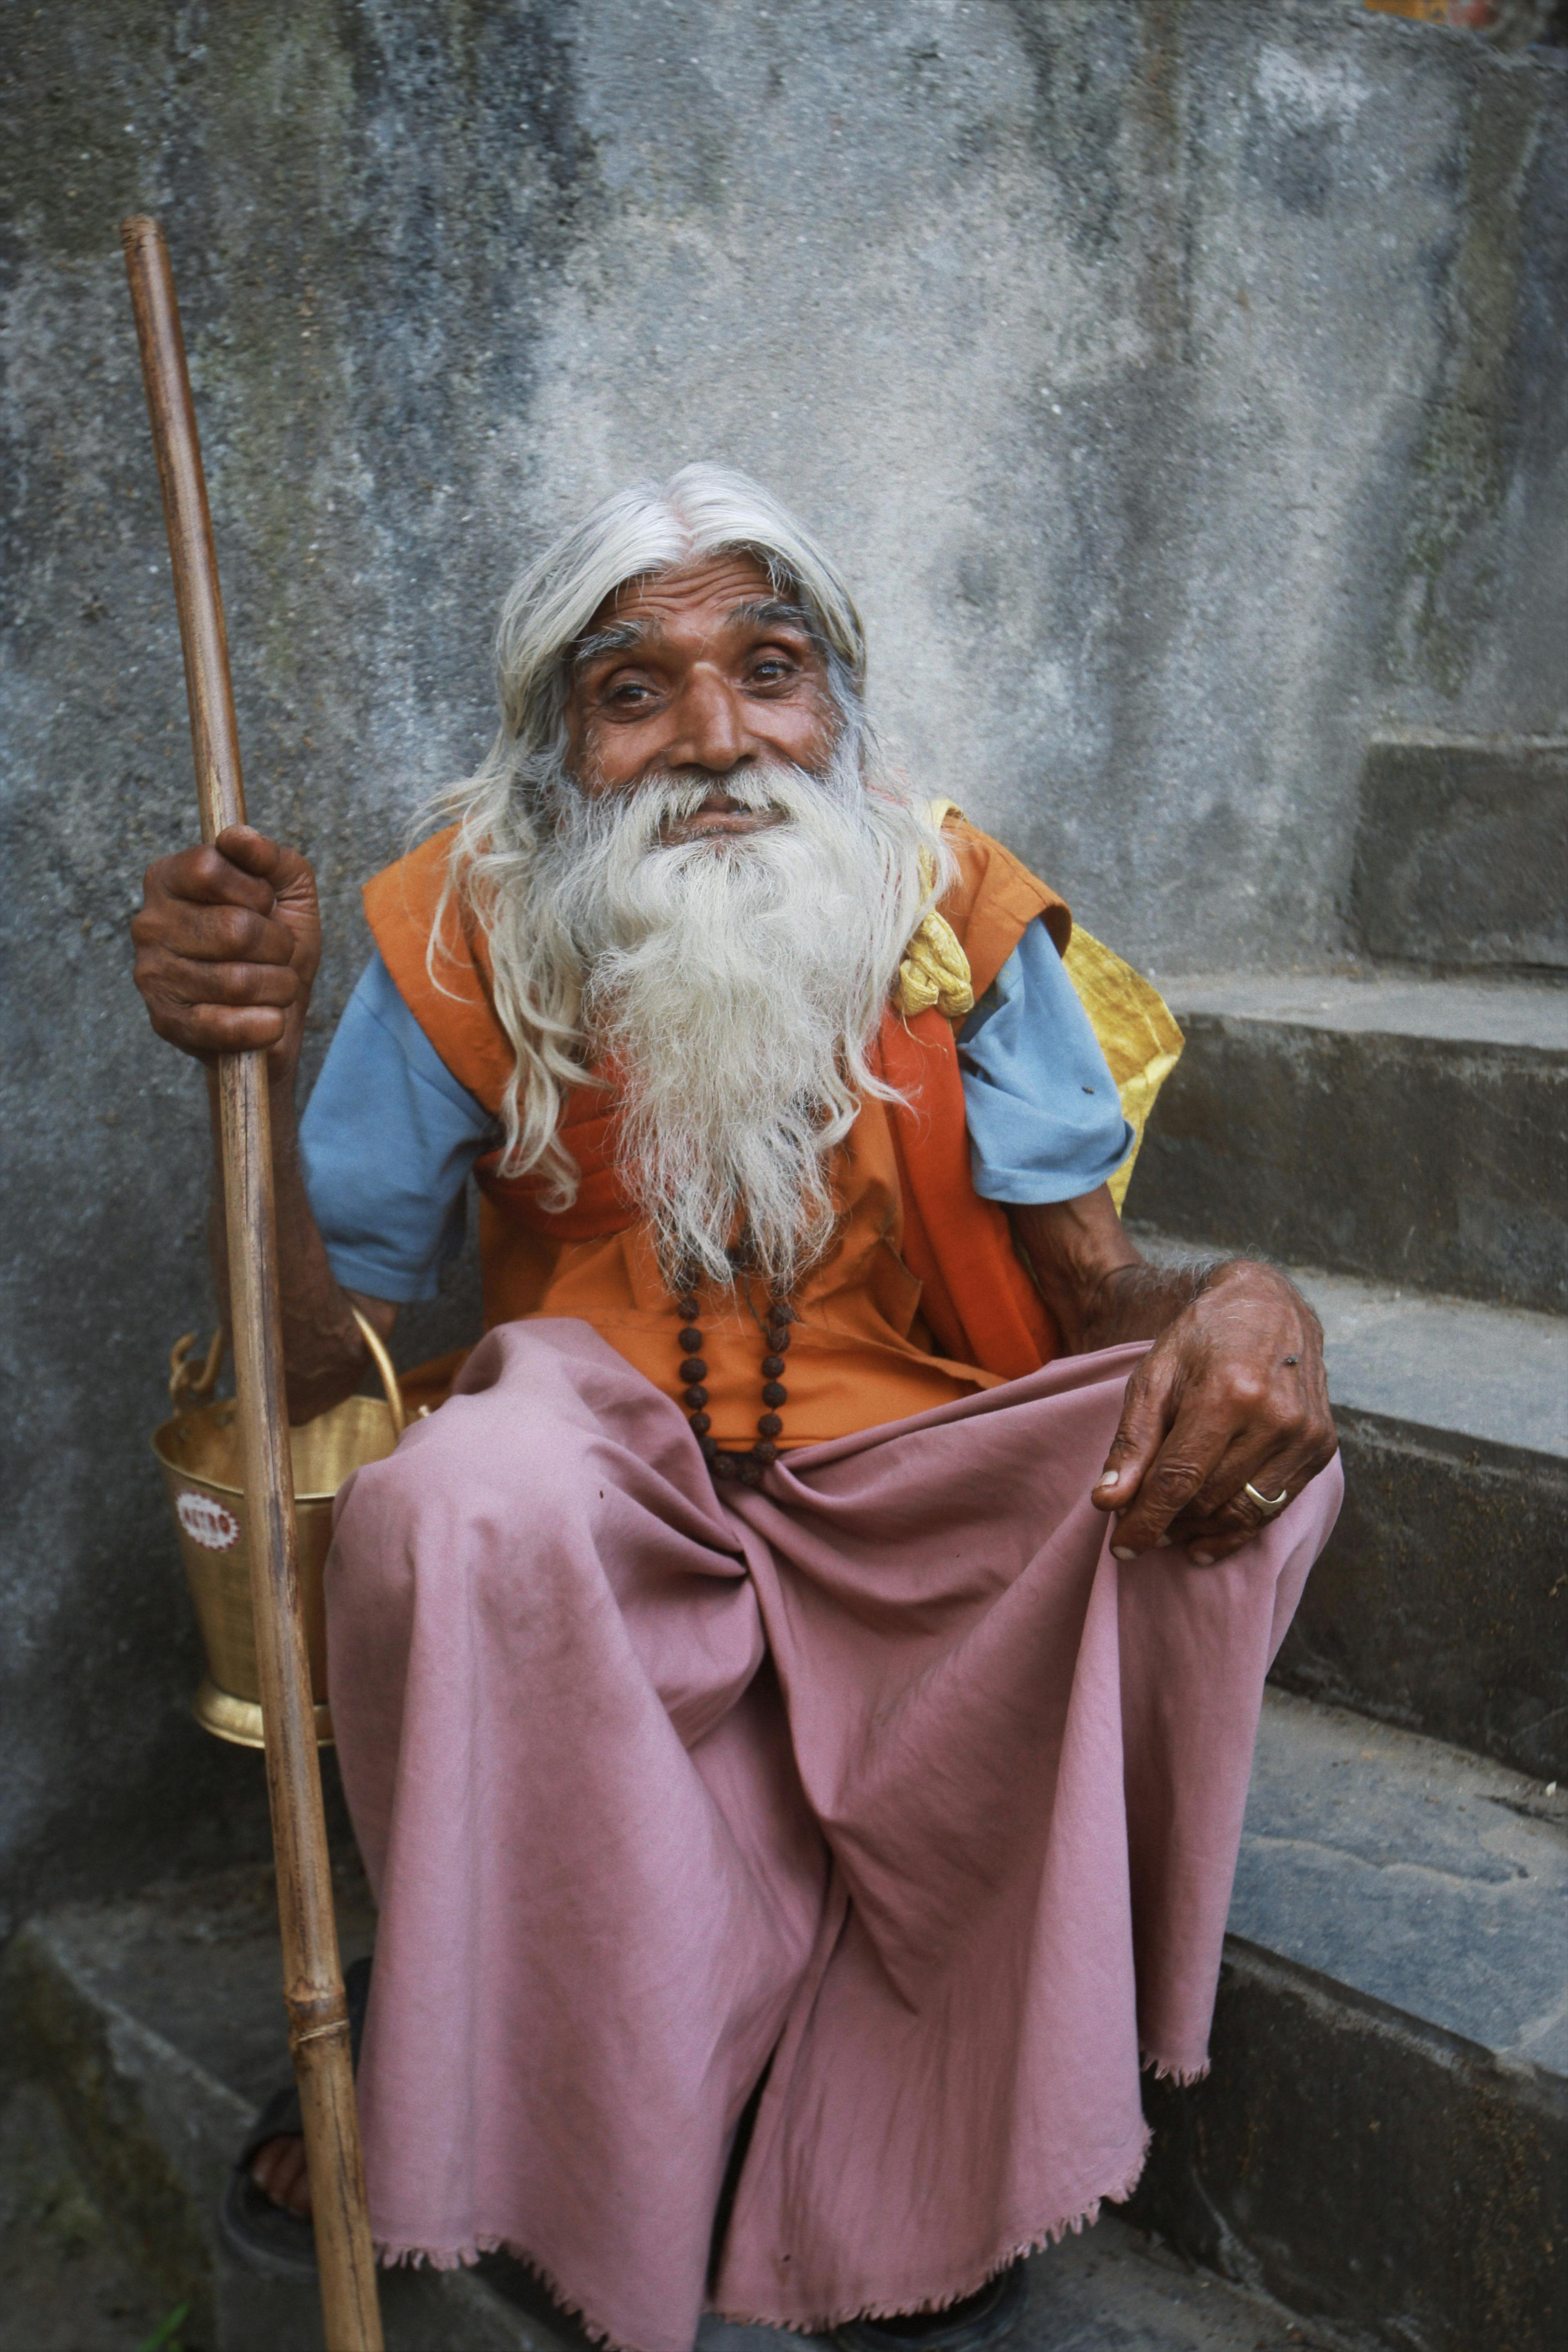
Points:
(749, 1466)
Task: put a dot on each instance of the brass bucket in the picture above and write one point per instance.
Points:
(198, 1453)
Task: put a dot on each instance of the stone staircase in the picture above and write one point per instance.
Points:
(154, 2028)
(1382, 2141)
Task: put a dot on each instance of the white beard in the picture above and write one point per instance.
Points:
(735, 986)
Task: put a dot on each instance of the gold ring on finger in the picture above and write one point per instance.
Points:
(1270, 1505)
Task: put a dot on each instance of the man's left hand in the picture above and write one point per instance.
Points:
(1232, 1393)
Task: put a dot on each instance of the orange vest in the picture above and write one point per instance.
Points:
(923, 1297)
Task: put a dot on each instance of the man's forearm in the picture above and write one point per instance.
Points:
(1139, 1301)
(1100, 1289)
(324, 1353)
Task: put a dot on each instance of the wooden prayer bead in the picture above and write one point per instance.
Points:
(749, 1466)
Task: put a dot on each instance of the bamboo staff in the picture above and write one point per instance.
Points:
(313, 1970)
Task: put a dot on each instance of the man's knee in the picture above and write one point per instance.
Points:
(493, 1481)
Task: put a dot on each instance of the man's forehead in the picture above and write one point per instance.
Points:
(693, 595)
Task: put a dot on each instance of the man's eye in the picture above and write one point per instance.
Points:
(769, 671)
(629, 691)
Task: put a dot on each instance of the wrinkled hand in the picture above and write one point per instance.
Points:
(1233, 1393)
(228, 941)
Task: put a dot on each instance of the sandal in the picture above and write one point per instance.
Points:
(266, 2237)
(977, 2323)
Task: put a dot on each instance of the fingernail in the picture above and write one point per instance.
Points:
(1161, 1543)
(1121, 1551)
(1111, 1478)
(1202, 1559)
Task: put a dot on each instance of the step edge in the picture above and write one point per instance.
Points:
(1444, 1443)
(1521, 1052)
(194, 2164)
(168, 2227)
(1433, 739)
(1418, 2037)
(1487, 1772)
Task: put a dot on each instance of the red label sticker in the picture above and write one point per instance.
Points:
(206, 1522)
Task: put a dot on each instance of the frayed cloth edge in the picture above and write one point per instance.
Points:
(1049, 2234)
(393, 2256)
(1163, 2070)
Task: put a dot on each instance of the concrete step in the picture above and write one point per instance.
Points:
(1461, 854)
(154, 2028)
(1441, 1603)
(1401, 1130)
(66, 2283)
(1382, 2141)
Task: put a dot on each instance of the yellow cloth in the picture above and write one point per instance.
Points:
(1137, 1033)
(935, 969)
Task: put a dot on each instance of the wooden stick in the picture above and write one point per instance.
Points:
(313, 1970)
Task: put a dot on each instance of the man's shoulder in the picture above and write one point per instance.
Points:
(409, 891)
(994, 896)
(438, 962)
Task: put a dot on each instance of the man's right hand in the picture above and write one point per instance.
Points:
(228, 941)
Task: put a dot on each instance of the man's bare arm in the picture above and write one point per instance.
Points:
(1231, 1392)
(227, 943)
(325, 1355)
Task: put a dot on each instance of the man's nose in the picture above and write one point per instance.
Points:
(711, 721)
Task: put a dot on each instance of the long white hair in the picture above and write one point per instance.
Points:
(523, 828)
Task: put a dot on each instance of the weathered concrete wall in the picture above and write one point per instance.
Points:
(1182, 385)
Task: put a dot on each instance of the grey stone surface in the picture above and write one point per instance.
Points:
(1179, 384)
(1382, 2139)
(1366, 1129)
(66, 2283)
(1439, 1603)
(1451, 1364)
(1379, 2174)
(1530, 1014)
(1411, 1872)
(155, 2028)
(1461, 854)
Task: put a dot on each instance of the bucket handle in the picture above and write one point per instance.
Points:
(391, 1387)
(188, 1386)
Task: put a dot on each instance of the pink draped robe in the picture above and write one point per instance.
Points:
(886, 1770)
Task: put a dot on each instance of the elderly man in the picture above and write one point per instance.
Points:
(795, 1696)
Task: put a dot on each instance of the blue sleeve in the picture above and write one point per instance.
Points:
(387, 1141)
(1045, 1120)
